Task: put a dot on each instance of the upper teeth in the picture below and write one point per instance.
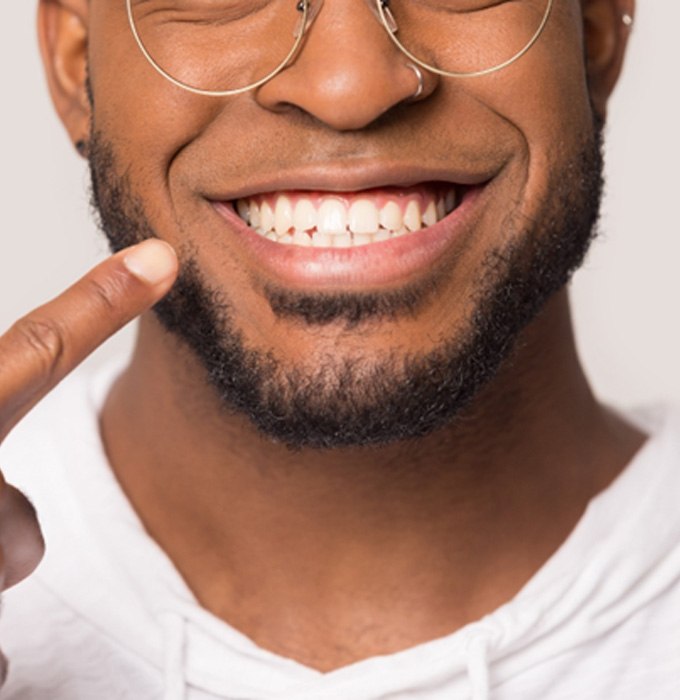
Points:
(340, 222)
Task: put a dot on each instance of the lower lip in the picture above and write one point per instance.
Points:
(378, 264)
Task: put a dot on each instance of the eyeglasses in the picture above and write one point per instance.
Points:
(227, 47)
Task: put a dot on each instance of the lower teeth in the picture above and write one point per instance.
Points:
(317, 239)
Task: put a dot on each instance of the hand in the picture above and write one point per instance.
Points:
(39, 350)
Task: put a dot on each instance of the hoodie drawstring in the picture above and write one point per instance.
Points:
(478, 668)
(174, 625)
(174, 629)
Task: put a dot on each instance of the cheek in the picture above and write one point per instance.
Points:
(544, 97)
(147, 119)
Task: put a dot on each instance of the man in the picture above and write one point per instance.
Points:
(354, 454)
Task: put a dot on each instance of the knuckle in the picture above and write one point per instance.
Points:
(4, 668)
(107, 293)
(45, 339)
(21, 538)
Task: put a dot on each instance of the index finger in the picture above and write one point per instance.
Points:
(40, 349)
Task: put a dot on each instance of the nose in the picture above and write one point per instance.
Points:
(348, 72)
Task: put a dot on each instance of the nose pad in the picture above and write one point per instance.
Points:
(348, 72)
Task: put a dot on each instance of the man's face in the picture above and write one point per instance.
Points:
(364, 344)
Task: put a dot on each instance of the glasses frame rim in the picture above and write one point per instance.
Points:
(308, 16)
(388, 20)
(302, 4)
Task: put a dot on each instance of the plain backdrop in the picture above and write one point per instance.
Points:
(625, 299)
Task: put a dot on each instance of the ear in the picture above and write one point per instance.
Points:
(606, 32)
(62, 33)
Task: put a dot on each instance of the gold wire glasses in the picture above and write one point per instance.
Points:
(227, 47)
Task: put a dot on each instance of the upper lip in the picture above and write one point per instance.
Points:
(354, 177)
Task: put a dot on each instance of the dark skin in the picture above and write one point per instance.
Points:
(328, 557)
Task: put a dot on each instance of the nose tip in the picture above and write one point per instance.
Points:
(347, 74)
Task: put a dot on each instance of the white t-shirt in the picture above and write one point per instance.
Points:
(107, 616)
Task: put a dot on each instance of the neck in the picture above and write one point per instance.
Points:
(332, 556)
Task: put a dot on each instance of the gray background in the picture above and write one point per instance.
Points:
(625, 299)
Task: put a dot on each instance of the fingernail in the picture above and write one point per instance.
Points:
(153, 261)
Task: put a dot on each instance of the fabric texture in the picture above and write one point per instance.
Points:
(106, 615)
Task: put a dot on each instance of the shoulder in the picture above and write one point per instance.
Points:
(66, 420)
(55, 653)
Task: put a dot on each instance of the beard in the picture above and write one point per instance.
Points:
(352, 402)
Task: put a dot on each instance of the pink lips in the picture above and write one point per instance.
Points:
(379, 264)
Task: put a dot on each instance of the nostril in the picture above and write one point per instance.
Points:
(344, 93)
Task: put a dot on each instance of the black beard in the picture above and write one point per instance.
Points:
(350, 402)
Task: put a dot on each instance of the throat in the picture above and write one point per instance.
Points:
(329, 557)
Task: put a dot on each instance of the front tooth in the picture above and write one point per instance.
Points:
(382, 235)
(332, 217)
(286, 239)
(363, 217)
(304, 216)
(430, 214)
(390, 216)
(283, 215)
(243, 210)
(322, 240)
(342, 240)
(412, 216)
(255, 221)
(266, 217)
(363, 238)
(450, 201)
(301, 238)
(441, 210)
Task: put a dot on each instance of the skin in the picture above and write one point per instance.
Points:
(328, 557)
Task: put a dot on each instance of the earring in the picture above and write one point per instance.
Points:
(627, 19)
(81, 147)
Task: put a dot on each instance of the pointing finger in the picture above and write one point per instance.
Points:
(43, 347)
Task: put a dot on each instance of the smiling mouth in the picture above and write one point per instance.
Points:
(348, 219)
